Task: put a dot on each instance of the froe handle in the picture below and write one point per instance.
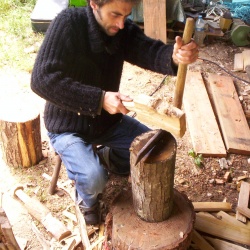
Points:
(182, 68)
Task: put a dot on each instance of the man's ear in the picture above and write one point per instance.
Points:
(93, 5)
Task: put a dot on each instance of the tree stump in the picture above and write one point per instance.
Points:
(153, 215)
(131, 232)
(20, 134)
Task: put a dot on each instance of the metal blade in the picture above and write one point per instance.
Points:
(149, 145)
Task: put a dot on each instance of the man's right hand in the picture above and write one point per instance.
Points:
(112, 102)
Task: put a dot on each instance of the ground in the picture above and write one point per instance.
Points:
(196, 182)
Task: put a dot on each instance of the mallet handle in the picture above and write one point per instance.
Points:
(182, 69)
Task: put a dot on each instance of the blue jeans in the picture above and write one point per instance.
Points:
(83, 164)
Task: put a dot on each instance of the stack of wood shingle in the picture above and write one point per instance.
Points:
(217, 227)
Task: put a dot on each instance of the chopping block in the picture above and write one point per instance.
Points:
(152, 214)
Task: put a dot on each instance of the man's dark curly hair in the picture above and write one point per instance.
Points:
(100, 3)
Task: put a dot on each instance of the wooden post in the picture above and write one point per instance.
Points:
(153, 180)
(167, 216)
(155, 20)
(20, 136)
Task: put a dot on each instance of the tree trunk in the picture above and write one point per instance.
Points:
(153, 179)
(20, 137)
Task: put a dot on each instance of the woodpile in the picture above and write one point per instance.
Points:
(218, 228)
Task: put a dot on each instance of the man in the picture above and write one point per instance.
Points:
(78, 71)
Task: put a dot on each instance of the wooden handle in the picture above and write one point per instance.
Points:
(43, 215)
(182, 69)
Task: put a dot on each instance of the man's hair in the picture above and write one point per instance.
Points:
(100, 3)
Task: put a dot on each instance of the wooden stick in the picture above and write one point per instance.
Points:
(45, 244)
(42, 214)
(82, 227)
(182, 68)
(212, 206)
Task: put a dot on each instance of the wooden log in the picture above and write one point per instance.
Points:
(130, 232)
(153, 179)
(20, 136)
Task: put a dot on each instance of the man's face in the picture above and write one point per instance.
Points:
(111, 16)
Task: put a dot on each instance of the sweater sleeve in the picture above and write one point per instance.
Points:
(54, 77)
(148, 53)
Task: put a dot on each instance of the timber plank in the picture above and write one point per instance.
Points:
(155, 21)
(230, 114)
(223, 245)
(204, 130)
(246, 58)
(222, 229)
(200, 242)
(243, 200)
(238, 62)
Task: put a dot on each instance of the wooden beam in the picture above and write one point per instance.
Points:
(233, 123)
(155, 21)
(203, 127)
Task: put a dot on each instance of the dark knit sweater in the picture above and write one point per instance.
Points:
(77, 62)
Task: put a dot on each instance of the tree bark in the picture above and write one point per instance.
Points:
(153, 179)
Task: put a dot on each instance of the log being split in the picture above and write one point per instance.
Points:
(20, 136)
(153, 179)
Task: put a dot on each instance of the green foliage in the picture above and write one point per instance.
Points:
(198, 158)
(17, 35)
